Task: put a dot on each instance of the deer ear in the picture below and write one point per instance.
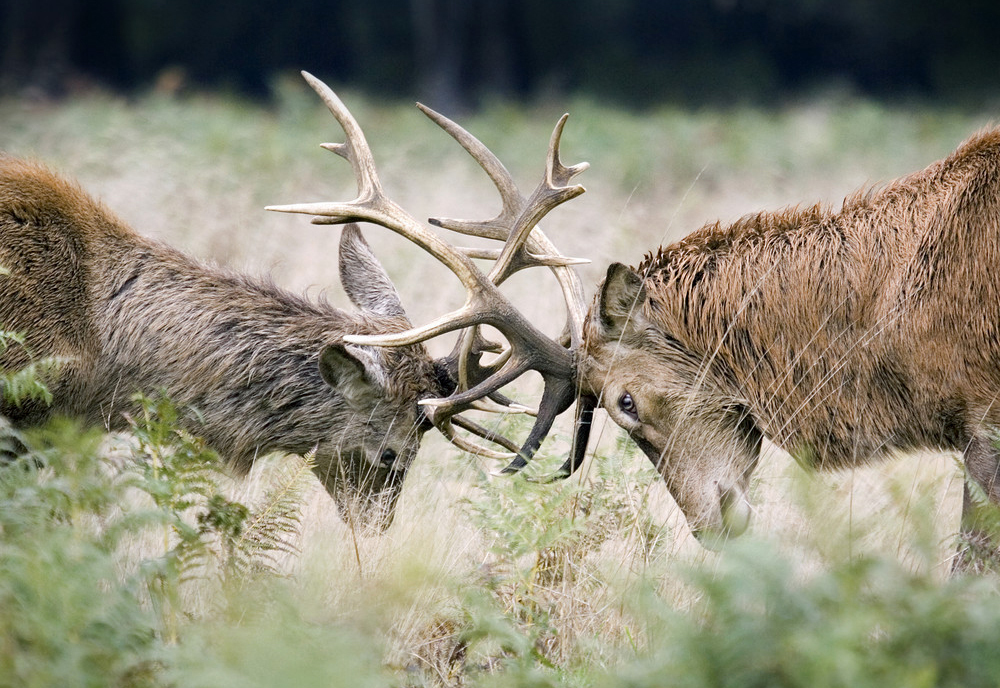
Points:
(348, 372)
(620, 300)
(365, 280)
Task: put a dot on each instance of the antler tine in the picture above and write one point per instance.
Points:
(558, 175)
(355, 150)
(486, 434)
(510, 196)
(461, 400)
(471, 344)
(552, 261)
(583, 423)
(552, 192)
(514, 217)
(432, 406)
(581, 436)
(557, 396)
(446, 428)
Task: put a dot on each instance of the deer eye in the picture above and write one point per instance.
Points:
(627, 405)
(388, 458)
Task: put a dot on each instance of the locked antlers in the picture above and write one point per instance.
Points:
(478, 384)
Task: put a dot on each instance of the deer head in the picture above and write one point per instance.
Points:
(702, 442)
(363, 464)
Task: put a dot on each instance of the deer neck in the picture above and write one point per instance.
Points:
(787, 317)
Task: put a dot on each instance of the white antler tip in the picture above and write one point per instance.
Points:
(340, 149)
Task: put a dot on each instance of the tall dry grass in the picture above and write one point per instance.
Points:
(197, 172)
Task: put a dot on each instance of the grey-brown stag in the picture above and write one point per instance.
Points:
(843, 335)
(267, 370)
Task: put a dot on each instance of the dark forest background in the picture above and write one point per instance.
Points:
(458, 52)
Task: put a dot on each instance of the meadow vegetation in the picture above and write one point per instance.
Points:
(137, 560)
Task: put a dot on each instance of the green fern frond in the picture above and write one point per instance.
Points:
(270, 528)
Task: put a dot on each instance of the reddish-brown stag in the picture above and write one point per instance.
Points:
(843, 335)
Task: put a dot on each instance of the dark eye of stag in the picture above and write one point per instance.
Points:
(388, 458)
(627, 405)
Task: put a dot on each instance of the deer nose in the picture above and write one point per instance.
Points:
(388, 458)
(735, 508)
(735, 513)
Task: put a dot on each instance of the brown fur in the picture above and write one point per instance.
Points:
(266, 370)
(840, 334)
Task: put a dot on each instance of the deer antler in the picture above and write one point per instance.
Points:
(525, 246)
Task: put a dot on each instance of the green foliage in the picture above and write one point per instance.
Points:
(72, 614)
(28, 382)
(753, 614)
(760, 621)
(23, 385)
(176, 471)
(267, 530)
(68, 618)
(538, 610)
(524, 617)
(276, 649)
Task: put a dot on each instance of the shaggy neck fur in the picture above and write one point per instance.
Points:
(849, 333)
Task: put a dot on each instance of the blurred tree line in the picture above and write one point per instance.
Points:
(456, 52)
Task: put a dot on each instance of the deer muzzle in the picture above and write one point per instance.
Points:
(734, 512)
